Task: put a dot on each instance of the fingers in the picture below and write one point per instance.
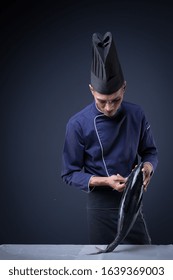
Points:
(120, 178)
(146, 180)
(118, 182)
(134, 167)
(119, 187)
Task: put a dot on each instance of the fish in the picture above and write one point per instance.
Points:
(129, 207)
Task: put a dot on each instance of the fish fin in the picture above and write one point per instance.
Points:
(99, 251)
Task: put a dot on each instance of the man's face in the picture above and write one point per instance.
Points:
(108, 104)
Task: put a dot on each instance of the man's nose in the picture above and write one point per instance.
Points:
(108, 106)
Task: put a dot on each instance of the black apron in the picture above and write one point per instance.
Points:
(102, 213)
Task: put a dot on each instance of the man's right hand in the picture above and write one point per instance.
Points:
(117, 182)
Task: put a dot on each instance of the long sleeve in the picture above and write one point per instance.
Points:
(73, 158)
(147, 147)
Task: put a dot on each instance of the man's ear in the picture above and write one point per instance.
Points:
(124, 85)
(91, 89)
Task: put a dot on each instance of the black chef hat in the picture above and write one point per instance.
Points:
(106, 73)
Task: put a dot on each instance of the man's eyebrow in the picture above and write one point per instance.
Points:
(101, 99)
(114, 99)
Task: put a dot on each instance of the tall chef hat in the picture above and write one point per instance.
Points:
(106, 73)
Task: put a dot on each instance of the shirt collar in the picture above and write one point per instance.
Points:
(98, 112)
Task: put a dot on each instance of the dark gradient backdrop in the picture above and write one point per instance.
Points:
(45, 71)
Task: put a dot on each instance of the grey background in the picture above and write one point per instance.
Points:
(45, 54)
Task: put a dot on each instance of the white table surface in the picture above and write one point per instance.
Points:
(81, 252)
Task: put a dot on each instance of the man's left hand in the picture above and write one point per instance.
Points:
(147, 171)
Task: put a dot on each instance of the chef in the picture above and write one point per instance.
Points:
(104, 142)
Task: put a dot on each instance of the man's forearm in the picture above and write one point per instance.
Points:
(99, 181)
(116, 182)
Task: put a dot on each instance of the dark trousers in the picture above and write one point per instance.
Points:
(102, 212)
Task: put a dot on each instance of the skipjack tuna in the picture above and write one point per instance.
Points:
(129, 207)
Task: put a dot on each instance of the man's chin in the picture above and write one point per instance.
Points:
(110, 115)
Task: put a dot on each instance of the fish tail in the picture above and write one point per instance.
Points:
(109, 247)
(112, 246)
(99, 251)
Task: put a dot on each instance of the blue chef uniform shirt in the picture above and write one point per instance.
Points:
(97, 145)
